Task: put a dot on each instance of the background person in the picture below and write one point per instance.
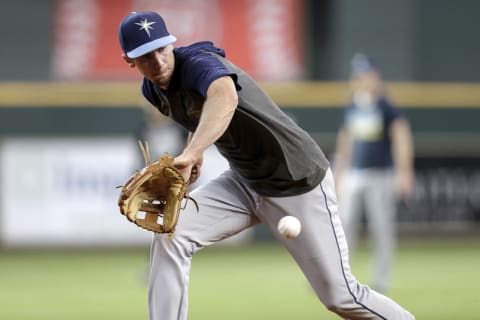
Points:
(373, 164)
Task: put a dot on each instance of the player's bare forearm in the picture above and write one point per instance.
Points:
(342, 153)
(402, 145)
(217, 113)
(342, 159)
(403, 155)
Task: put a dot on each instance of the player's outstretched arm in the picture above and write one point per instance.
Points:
(217, 113)
(342, 157)
(402, 144)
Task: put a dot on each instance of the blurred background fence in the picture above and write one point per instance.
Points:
(71, 110)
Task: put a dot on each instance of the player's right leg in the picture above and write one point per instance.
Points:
(351, 205)
(321, 252)
(225, 207)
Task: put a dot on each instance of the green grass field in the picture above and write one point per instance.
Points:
(433, 278)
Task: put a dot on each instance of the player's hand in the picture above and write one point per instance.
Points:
(405, 184)
(189, 166)
(195, 173)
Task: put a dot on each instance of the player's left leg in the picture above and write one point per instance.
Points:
(381, 204)
(321, 252)
(225, 207)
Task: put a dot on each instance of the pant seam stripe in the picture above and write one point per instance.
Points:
(341, 261)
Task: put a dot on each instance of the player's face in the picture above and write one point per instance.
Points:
(157, 66)
(367, 81)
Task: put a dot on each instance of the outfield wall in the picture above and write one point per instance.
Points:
(75, 42)
(65, 147)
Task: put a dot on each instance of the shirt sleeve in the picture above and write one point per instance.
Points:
(201, 69)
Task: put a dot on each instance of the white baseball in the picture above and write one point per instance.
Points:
(289, 226)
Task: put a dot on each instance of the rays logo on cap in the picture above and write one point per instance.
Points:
(135, 42)
(145, 25)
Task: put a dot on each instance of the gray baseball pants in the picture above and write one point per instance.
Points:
(373, 190)
(227, 206)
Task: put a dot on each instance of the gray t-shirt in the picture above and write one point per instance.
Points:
(262, 144)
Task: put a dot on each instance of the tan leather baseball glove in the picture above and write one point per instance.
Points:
(152, 197)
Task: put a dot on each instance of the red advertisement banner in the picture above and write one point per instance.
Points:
(264, 37)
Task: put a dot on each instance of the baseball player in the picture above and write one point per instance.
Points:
(374, 164)
(276, 169)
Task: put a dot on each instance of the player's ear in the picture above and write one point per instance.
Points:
(129, 61)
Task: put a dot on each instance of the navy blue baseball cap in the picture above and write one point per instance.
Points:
(362, 63)
(143, 32)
